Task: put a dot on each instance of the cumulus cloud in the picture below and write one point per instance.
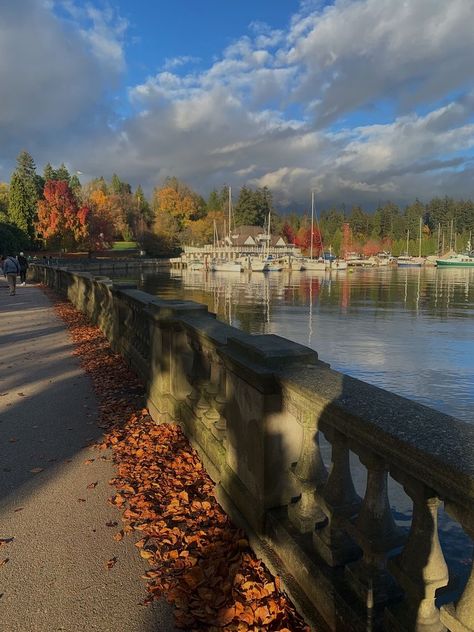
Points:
(54, 72)
(277, 108)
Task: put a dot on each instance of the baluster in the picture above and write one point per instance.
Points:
(310, 474)
(459, 616)
(420, 568)
(375, 532)
(196, 376)
(340, 502)
(216, 395)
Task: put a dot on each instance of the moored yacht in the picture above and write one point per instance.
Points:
(226, 266)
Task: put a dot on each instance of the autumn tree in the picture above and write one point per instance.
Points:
(176, 207)
(23, 195)
(61, 222)
(303, 240)
(101, 229)
(288, 233)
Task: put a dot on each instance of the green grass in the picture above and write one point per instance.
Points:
(124, 245)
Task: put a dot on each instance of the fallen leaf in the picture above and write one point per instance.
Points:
(36, 470)
(118, 536)
(92, 485)
(111, 523)
(111, 563)
(4, 561)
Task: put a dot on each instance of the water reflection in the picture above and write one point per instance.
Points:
(408, 330)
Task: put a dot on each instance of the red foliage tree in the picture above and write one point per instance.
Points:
(303, 240)
(372, 247)
(288, 233)
(60, 219)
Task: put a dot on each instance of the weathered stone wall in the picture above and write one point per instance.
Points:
(255, 408)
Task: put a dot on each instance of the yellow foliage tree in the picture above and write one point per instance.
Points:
(180, 205)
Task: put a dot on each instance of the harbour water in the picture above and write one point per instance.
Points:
(408, 330)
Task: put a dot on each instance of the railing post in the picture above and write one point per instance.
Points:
(375, 532)
(459, 616)
(311, 475)
(340, 503)
(420, 568)
(215, 390)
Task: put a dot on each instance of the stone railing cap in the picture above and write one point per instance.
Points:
(429, 444)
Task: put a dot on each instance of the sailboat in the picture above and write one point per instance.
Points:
(266, 263)
(313, 264)
(227, 265)
(407, 261)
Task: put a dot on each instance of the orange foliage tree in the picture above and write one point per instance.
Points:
(101, 222)
(61, 221)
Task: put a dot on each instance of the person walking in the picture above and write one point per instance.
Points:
(23, 263)
(11, 269)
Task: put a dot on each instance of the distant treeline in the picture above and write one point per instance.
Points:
(55, 211)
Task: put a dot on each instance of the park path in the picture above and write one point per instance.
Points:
(56, 575)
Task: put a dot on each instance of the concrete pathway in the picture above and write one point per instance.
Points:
(56, 576)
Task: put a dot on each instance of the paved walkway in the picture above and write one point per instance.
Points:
(56, 576)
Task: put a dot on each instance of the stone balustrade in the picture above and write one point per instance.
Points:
(258, 409)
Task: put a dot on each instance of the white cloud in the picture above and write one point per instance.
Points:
(263, 112)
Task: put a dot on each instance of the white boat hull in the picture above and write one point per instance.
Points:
(226, 266)
(314, 264)
(339, 265)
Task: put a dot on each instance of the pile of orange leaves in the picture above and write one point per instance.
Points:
(200, 562)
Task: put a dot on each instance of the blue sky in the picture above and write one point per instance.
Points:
(362, 100)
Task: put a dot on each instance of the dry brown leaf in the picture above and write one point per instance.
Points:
(111, 563)
(200, 562)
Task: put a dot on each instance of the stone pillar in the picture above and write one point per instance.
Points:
(375, 532)
(459, 616)
(263, 438)
(340, 503)
(170, 357)
(310, 474)
(420, 568)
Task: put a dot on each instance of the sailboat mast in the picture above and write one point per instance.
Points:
(230, 209)
(312, 224)
(269, 233)
(419, 247)
(408, 237)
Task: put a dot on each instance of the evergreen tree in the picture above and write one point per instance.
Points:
(62, 173)
(49, 173)
(3, 202)
(253, 207)
(23, 194)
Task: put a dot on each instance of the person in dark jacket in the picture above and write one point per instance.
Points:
(10, 270)
(23, 263)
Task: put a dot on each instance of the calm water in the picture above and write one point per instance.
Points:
(410, 331)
